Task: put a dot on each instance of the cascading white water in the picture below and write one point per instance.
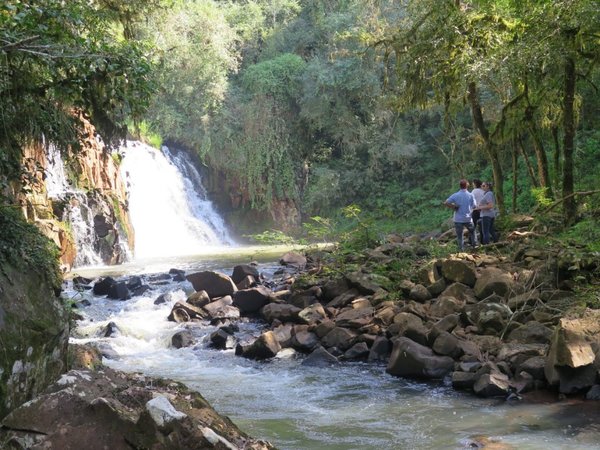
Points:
(167, 204)
(77, 212)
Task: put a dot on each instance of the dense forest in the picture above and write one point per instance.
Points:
(363, 109)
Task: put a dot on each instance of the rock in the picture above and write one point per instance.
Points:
(341, 338)
(459, 271)
(361, 302)
(111, 330)
(461, 292)
(283, 333)
(593, 393)
(419, 293)
(324, 327)
(119, 291)
(360, 350)
(534, 366)
(529, 298)
(385, 315)
(222, 339)
(343, 299)
(320, 358)
(367, 283)
(464, 380)
(494, 281)
(251, 300)
(191, 311)
(199, 299)
(492, 385)
(447, 344)
(134, 283)
(182, 339)
(215, 284)
(437, 287)
(266, 346)
(380, 350)
(313, 313)
(304, 341)
(293, 259)
(444, 306)
(335, 288)
(222, 309)
(240, 272)
(246, 283)
(533, 332)
(305, 298)
(572, 381)
(108, 409)
(280, 311)
(102, 287)
(162, 411)
(411, 359)
(355, 318)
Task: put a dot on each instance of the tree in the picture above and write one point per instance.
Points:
(57, 58)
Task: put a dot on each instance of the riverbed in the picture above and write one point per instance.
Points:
(296, 407)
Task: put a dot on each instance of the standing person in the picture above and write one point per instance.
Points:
(487, 206)
(478, 194)
(463, 203)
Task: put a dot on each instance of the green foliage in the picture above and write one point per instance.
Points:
(22, 245)
(278, 77)
(271, 237)
(58, 59)
(541, 196)
(320, 229)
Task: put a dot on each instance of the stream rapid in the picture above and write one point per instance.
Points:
(296, 407)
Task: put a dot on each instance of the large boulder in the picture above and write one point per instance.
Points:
(571, 356)
(240, 272)
(109, 409)
(410, 359)
(494, 281)
(459, 271)
(34, 332)
(280, 311)
(251, 300)
(266, 346)
(214, 283)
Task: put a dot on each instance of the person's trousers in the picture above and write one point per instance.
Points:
(459, 226)
(488, 230)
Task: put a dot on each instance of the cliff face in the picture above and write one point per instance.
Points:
(96, 189)
(233, 202)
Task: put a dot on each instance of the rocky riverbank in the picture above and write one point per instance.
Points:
(494, 323)
(95, 407)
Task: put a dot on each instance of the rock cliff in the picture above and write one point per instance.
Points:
(94, 181)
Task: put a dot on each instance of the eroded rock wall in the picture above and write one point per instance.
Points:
(94, 173)
(34, 333)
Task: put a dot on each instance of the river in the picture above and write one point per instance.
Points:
(352, 406)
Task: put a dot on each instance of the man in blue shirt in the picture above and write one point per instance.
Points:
(463, 203)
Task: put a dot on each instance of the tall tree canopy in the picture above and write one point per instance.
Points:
(58, 59)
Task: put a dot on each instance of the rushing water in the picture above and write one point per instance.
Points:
(168, 206)
(352, 406)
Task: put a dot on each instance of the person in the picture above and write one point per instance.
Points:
(463, 203)
(478, 194)
(487, 206)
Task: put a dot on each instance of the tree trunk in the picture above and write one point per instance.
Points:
(515, 166)
(542, 161)
(557, 167)
(530, 170)
(570, 206)
(490, 149)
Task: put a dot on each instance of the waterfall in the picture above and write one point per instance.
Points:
(168, 207)
(77, 211)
